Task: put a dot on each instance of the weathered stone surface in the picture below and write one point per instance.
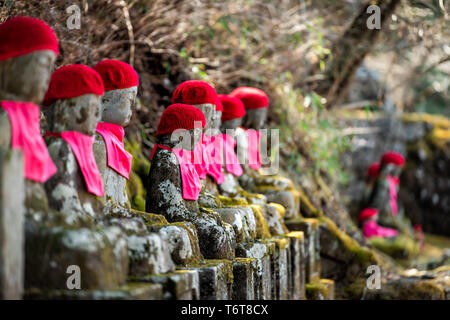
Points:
(12, 196)
(283, 197)
(310, 228)
(280, 267)
(262, 252)
(297, 265)
(101, 255)
(182, 240)
(149, 254)
(129, 291)
(244, 282)
(177, 285)
(216, 279)
(243, 221)
(274, 220)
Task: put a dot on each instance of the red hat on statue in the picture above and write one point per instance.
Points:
(373, 170)
(232, 107)
(252, 98)
(180, 116)
(194, 92)
(23, 35)
(117, 74)
(73, 81)
(367, 213)
(392, 157)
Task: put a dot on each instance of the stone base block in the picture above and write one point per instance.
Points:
(58, 256)
(297, 265)
(244, 278)
(280, 267)
(320, 290)
(310, 228)
(262, 252)
(215, 278)
(177, 285)
(129, 291)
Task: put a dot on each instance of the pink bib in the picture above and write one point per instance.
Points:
(26, 135)
(81, 146)
(232, 164)
(199, 158)
(254, 160)
(393, 182)
(190, 181)
(118, 158)
(213, 158)
(372, 229)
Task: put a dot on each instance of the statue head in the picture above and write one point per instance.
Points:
(256, 105)
(367, 214)
(200, 95)
(217, 117)
(392, 163)
(28, 50)
(232, 114)
(181, 126)
(121, 82)
(74, 97)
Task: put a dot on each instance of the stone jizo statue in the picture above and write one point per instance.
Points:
(173, 184)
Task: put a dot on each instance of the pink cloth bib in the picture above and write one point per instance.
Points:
(393, 182)
(26, 135)
(199, 158)
(254, 158)
(232, 164)
(118, 158)
(81, 146)
(190, 181)
(372, 229)
(213, 158)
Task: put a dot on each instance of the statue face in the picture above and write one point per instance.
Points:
(208, 111)
(255, 118)
(80, 114)
(117, 106)
(231, 124)
(27, 77)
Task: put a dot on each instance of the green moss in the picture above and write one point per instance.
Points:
(232, 202)
(402, 247)
(262, 228)
(140, 164)
(136, 192)
(317, 290)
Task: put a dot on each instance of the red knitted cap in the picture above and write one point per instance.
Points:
(117, 74)
(232, 107)
(179, 116)
(252, 98)
(194, 92)
(23, 35)
(373, 170)
(394, 158)
(73, 81)
(367, 213)
(219, 105)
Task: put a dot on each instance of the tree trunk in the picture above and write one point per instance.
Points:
(351, 49)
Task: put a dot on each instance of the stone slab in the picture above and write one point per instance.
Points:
(244, 278)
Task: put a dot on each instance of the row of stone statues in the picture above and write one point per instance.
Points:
(204, 169)
(382, 216)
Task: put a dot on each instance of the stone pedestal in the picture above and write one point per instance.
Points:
(12, 197)
(177, 285)
(310, 228)
(297, 265)
(280, 267)
(100, 254)
(244, 278)
(129, 291)
(216, 279)
(262, 252)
